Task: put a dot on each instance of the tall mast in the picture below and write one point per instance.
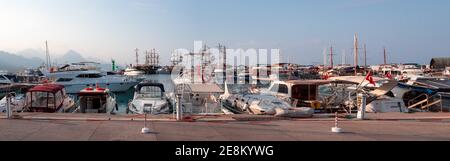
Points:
(156, 58)
(147, 62)
(47, 55)
(331, 56)
(385, 57)
(365, 56)
(324, 57)
(137, 56)
(343, 57)
(355, 46)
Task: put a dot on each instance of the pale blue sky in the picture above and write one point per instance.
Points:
(412, 30)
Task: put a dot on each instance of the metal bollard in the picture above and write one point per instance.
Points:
(145, 129)
(179, 108)
(362, 108)
(8, 106)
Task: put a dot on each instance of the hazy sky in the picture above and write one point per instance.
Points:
(412, 30)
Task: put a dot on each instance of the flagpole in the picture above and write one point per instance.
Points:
(357, 87)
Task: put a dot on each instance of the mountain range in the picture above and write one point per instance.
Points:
(31, 58)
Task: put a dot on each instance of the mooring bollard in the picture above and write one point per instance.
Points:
(8, 106)
(362, 106)
(336, 129)
(145, 130)
(179, 108)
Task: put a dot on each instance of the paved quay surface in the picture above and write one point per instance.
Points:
(98, 127)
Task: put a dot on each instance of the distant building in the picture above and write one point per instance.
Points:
(440, 63)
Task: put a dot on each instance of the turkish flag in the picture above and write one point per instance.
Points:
(326, 76)
(369, 78)
(388, 75)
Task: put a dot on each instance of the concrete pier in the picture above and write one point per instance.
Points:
(99, 127)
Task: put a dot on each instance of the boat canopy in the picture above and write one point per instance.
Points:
(140, 85)
(51, 88)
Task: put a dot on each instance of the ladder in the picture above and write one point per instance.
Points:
(425, 103)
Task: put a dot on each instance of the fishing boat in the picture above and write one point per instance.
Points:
(149, 98)
(49, 98)
(96, 100)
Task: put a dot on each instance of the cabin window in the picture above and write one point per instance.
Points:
(2, 78)
(64, 80)
(51, 101)
(283, 89)
(304, 92)
(59, 98)
(280, 88)
(89, 76)
(39, 99)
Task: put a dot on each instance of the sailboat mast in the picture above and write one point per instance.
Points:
(385, 57)
(356, 52)
(331, 57)
(137, 56)
(365, 56)
(47, 55)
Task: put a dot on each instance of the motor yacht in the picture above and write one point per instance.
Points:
(96, 100)
(75, 81)
(149, 98)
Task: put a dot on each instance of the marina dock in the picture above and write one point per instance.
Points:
(101, 127)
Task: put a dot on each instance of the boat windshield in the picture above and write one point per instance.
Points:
(41, 99)
(150, 92)
(304, 92)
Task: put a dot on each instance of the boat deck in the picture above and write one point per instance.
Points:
(92, 127)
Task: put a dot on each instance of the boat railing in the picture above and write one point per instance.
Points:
(415, 102)
(426, 103)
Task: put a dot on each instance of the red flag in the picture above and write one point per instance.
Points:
(388, 75)
(369, 78)
(326, 76)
